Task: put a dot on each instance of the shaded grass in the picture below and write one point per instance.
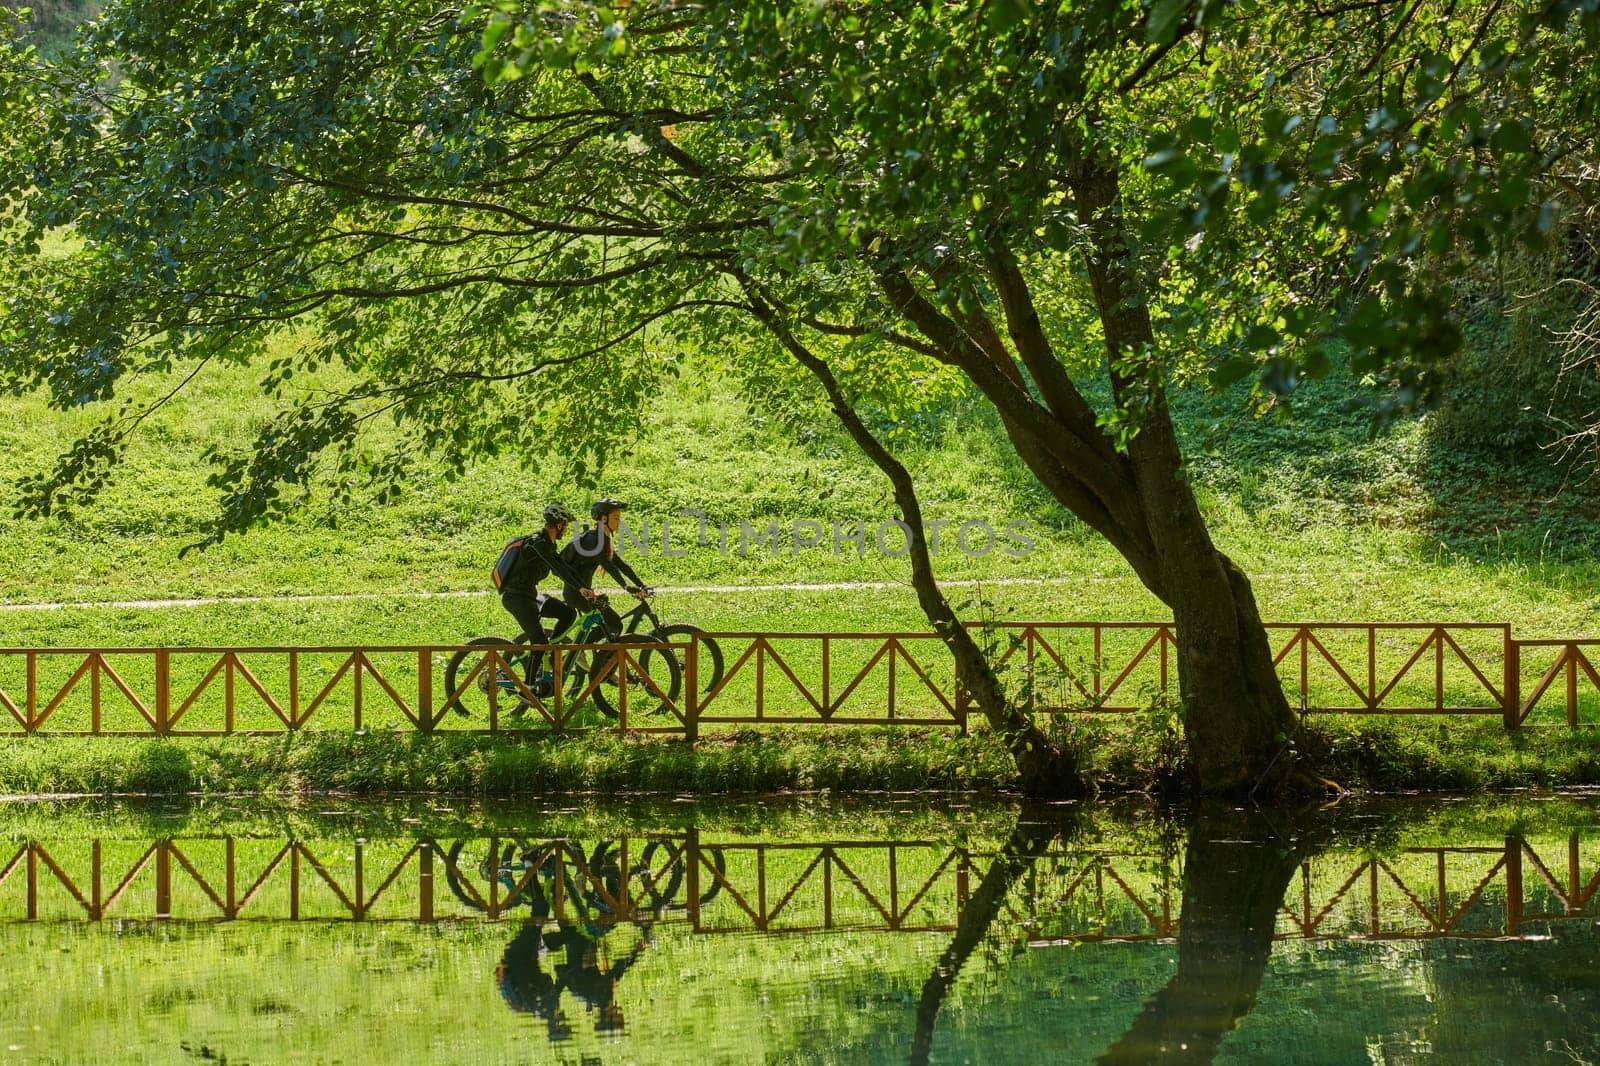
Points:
(1126, 755)
(854, 760)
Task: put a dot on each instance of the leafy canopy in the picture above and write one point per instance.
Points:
(500, 225)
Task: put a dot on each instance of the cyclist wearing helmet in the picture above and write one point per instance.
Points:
(596, 549)
(520, 596)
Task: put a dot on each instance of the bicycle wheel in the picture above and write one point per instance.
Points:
(456, 879)
(660, 873)
(709, 666)
(475, 698)
(653, 678)
(720, 864)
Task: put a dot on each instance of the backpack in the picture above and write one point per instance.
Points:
(507, 562)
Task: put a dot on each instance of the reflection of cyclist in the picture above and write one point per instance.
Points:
(537, 559)
(525, 985)
(596, 548)
(585, 971)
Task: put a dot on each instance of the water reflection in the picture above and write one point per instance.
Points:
(1071, 887)
(1237, 868)
(596, 893)
(1070, 932)
(579, 962)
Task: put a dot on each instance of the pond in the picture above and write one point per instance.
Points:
(902, 930)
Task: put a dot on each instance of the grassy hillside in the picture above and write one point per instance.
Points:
(1333, 522)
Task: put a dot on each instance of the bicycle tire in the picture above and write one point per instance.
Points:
(661, 884)
(453, 875)
(710, 664)
(652, 658)
(476, 698)
(718, 863)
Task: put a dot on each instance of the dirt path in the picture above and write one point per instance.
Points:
(837, 586)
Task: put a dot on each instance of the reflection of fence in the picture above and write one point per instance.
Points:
(1458, 892)
(784, 678)
(1069, 894)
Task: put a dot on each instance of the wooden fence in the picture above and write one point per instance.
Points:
(1401, 668)
(1071, 893)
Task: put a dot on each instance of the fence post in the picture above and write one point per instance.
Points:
(425, 690)
(1572, 685)
(691, 850)
(1512, 700)
(691, 699)
(425, 881)
(492, 663)
(163, 691)
(164, 878)
(294, 690)
(619, 658)
(33, 691)
(1513, 884)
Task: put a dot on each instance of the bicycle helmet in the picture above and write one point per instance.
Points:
(604, 506)
(556, 513)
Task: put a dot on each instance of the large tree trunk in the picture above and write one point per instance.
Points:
(1136, 496)
(1236, 719)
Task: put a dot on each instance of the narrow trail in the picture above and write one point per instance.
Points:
(340, 597)
(796, 586)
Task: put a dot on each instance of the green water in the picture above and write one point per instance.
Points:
(805, 932)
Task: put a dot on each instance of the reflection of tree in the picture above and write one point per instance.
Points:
(1033, 835)
(1236, 871)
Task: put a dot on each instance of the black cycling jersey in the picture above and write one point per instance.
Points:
(589, 551)
(537, 560)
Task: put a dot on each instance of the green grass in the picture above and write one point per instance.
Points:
(1125, 754)
(1332, 522)
(385, 762)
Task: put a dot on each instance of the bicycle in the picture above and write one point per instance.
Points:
(592, 888)
(709, 663)
(654, 670)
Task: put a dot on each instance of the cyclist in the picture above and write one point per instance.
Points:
(536, 559)
(596, 549)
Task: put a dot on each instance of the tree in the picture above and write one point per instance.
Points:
(1152, 194)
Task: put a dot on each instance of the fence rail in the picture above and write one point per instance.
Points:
(791, 678)
(1070, 893)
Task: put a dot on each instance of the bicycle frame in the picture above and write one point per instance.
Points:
(638, 614)
(590, 628)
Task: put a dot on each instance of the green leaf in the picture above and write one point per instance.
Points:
(1005, 15)
(1166, 160)
(1231, 372)
(1161, 25)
